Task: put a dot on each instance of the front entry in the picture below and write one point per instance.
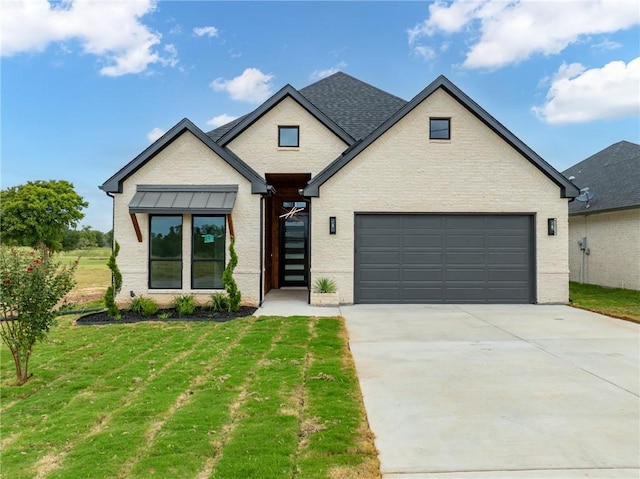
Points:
(294, 244)
(287, 248)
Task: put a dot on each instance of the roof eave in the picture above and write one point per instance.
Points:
(114, 184)
(567, 189)
(284, 92)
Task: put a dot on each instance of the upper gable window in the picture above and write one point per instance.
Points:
(288, 136)
(439, 128)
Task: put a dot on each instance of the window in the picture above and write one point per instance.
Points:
(288, 136)
(439, 128)
(165, 252)
(207, 255)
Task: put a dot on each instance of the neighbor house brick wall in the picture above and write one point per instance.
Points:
(405, 172)
(187, 161)
(258, 144)
(613, 240)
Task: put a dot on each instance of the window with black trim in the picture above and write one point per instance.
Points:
(165, 252)
(439, 128)
(207, 254)
(288, 136)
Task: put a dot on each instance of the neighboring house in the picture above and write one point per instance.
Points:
(426, 201)
(604, 232)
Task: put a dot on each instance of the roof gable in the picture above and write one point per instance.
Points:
(114, 184)
(613, 174)
(568, 190)
(246, 121)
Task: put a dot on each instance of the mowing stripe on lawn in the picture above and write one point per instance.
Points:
(160, 390)
(101, 391)
(265, 437)
(339, 444)
(193, 433)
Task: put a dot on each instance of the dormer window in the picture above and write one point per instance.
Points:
(439, 128)
(288, 136)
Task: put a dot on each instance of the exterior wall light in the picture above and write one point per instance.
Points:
(332, 225)
(552, 226)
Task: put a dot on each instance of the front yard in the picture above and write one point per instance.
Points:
(251, 398)
(616, 302)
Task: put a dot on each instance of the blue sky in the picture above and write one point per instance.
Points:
(86, 85)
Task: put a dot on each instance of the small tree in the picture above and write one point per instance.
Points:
(116, 284)
(31, 286)
(227, 278)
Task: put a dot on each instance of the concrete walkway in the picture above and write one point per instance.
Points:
(292, 302)
(498, 391)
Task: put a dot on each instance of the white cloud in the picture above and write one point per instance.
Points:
(425, 52)
(206, 31)
(154, 134)
(319, 74)
(252, 86)
(110, 30)
(578, 95)
(220, 120)
(510, 32)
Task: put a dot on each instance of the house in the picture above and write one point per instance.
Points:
(426, 201)
(604, 224)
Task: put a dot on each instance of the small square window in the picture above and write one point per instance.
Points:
(288, 136)
(439, 128)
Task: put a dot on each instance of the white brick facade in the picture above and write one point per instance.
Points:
(402, 171)
(405, 172)
(613, 240)
(187, 161)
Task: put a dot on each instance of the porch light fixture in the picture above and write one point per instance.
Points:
(332, 225)
(552, 224)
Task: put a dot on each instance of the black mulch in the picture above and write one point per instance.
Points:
(200, 314)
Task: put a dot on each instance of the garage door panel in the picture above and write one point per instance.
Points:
(507, 258)
(471, 240)
(383, 257)
(427, 258)
(466, 257)
(507, 241)
(420, 274)
(422, 241)
(380, 274)
(421, 258)
(381, 241)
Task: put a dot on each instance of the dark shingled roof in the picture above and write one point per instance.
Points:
(613, 174)
(355, 106)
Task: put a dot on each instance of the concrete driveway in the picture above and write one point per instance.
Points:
(498, 391)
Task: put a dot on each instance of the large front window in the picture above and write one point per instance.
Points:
(165, 258)
(208, 252)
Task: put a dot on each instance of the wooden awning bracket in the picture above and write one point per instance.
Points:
(136, 227)
(230, 221)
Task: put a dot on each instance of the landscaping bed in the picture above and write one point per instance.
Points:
(171, 314)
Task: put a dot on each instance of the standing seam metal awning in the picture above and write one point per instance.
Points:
(193, 199)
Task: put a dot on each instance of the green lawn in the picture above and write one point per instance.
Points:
(92, 275)
(616, 302)
(251, 398)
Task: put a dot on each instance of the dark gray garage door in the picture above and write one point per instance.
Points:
(418, 258)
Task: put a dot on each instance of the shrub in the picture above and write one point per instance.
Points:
(227, 278)
(31, 287)
(324, 285)
(116, 285)
(144, 305)
(185, 304)
(219, 302)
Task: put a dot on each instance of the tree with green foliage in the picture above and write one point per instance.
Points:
(32, 285)
(38, 213)
(228, 281)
